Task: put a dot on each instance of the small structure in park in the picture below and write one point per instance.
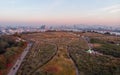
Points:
(93, 52)
(90, 51)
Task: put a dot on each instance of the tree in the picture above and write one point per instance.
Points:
(3, 46)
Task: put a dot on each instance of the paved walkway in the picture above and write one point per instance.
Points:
(14, 69)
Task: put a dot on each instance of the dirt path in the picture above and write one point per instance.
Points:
(61, 64)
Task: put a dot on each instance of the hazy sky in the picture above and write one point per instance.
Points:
(60, 11)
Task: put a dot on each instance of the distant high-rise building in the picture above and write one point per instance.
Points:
(43, 27)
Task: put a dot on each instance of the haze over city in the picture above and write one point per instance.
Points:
(56, 12)
(59, 37)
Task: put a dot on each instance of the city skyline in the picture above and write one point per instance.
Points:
(103, 12)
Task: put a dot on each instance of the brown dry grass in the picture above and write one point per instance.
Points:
(95, 45)
(61, 64)
(89, 34)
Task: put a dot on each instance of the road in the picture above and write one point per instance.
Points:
(14, 69)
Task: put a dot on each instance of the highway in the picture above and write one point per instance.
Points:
(16, 66)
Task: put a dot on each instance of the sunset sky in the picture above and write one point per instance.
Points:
(60, 11)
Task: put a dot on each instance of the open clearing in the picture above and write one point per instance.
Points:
(66, 53)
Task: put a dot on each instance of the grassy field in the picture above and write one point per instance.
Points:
(38, 56)
(61, 64)
(107, 46)
(65, 53)
(93, 64)
(51, 61)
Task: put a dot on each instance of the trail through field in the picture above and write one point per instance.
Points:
(61, 64)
